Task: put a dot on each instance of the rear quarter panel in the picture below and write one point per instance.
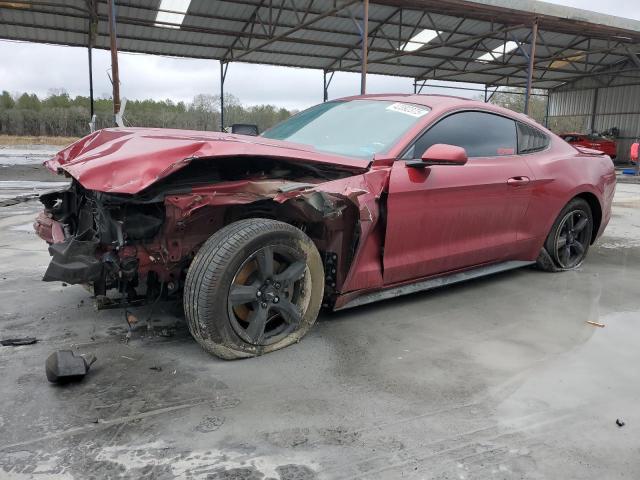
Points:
(561, 173)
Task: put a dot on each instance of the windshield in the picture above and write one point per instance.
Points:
(356, 128)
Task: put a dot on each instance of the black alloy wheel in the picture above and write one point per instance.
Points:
(267, 295)
(572, 239)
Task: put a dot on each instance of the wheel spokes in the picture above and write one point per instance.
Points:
(289, 312)
(292, 273)
(257, 324)
(264, 258)
(581, 224)
(562, 241)
(570, 245)
(241, 294)
(268, 293)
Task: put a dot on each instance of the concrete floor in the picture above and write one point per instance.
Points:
(497, 378)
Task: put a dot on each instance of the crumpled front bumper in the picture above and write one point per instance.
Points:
(48, 229)
(74, 260)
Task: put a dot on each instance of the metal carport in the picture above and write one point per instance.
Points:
(520, 43)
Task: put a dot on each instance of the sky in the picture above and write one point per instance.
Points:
(38, 68)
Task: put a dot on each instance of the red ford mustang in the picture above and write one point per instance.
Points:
(595, 142)
(349, 202)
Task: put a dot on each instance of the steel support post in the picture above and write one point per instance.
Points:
(91, 40)
(223, 76)
(91, 106)
(327, 82)
(594, 110)
(365, 46)
(325, 94)
(532, 57)
(546, 110)
(115, 76)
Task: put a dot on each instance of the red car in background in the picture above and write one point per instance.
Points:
(348, 202)
(595, 142)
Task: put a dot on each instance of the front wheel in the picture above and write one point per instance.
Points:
(254, 287)
(568, 242)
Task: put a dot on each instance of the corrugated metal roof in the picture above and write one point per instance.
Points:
(323, 34)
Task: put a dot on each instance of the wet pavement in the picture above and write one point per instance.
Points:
(497, 378)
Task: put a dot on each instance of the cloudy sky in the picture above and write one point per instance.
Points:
(38, 68)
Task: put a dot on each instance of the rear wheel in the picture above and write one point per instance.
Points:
(568, 242)
(254, 287)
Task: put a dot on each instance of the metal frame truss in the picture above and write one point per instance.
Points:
(363, 36)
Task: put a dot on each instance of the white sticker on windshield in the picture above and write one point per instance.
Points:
(407, 109)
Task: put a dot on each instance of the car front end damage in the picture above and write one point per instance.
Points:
(142, 244)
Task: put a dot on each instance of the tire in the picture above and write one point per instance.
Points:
(568, 241)
(232, 289)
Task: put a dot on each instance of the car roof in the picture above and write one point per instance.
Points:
(430, 100)
(440, 102)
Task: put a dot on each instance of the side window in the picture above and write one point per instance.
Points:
(480, 134)
(532, 140)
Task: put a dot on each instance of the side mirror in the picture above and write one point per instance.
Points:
(441, 154)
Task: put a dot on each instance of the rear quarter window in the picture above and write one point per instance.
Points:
(531, 140)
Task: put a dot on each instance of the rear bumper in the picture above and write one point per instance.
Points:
(609, 190)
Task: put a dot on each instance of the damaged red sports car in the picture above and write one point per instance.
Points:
(349, 202)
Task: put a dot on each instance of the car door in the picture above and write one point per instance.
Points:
(448, 217)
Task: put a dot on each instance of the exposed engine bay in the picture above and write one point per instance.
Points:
(141, 244)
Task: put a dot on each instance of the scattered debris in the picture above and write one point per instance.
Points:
(65, 366)
(156, 368)
(128, 358)
(164, 332)
(18, 342)
(131, 318)
(620, 422)
(102, 302)
(595, 324)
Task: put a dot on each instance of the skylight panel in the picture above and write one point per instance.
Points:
(419, 40)
(498, 52)
(566, 61)
(172, 12)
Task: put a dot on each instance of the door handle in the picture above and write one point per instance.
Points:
(517, 181)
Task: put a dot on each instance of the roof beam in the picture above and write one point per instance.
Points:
(633, 56)
(290, 31)
(283, 8)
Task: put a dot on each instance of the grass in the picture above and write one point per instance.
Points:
(25, 140)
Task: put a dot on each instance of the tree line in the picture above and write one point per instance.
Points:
(59, 114)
